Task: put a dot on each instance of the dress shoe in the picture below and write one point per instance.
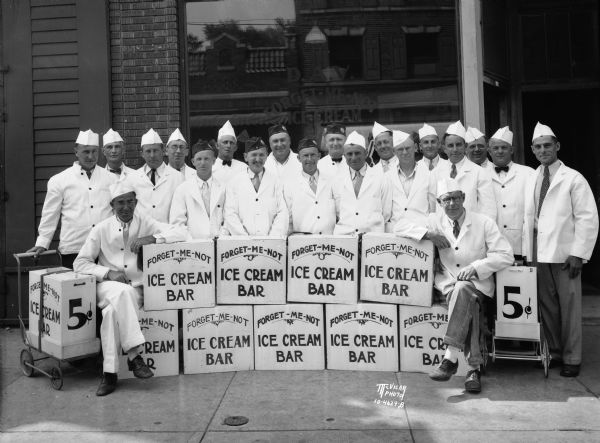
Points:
(569, 370)
(473, 381)
(107, 385)
(139, 367)
(444, 371)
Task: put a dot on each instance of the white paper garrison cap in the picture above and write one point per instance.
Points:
(503, 134)
(427, 130)
(123, 186)
(151, 137)
(355, 139)
(111, 137)
(457, 128)
(472, 134)
(225, 130)
(88, 138)
(176, 135)
(399, 137)
(447, 185)
(379, 129)
(540, 130)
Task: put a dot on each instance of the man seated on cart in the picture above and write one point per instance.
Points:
(471, 249)
(110, 254)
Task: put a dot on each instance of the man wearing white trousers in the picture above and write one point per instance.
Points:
(110, 254)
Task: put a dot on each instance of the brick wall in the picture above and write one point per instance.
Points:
(145, 76)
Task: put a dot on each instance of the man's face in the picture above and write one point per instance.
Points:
(405, 152)
(500, 151)
(153, 155)
(545, 148)
(476, 151)
(177, 150)
(87, 156)
(335, 145)
(280, 145)
(124, 206)
(355, 156)
(383, 145)
(114, 152)
(452, 202)
(226, 146)
(430, 146)
(256, 159)
(455, 148)
(309, 157)
(203, 161)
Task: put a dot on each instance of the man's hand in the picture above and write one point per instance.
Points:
(467, 273)
(438, 239)
(574, 265)
(137, 244)
(117, 276)
(37, 250)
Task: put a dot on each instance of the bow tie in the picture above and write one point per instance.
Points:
(336, 160)
(226, 162)
(500, 169)
(115, 171)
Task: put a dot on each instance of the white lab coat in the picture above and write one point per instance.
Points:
(226, 173)
(248, 212)
(510, 202)
(393, 164)
(310, 212)
(188, 173)
(328, 168)
(187, 209)
(415, 206)
(155, 200)
(479, 243)
(568, 220)
(124, 170)
(78, 203)
(366, 213)
(473, 180)
(441, 161)
(290, 168)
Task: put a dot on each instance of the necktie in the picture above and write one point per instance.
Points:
(336, 160)
(455, 228)
(256, 181)
(431, 166)
(499, 169)
(125, 228)
(312, 182)
(385, 164)
(357, 182)
(115, 171)
(227, 163)
(153, 176)
(453, 171)
(544, 188)
(89, 174)
(205, 191)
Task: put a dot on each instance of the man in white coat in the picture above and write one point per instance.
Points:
(113, 148)
(226, 166)
(110, 254)
(334, 161)
(473, 180)
(362, 200)
(78, 197)
(429, 144)
(155, 183)
(476, 147)
(561, 227)
(254, 203)
(471, 250)
(199, 205)
(281, 161)
(383, 143)
(508, 180)
(308, 196)
(177, 151)
(408, 184)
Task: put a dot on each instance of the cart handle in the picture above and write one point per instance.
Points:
(32, 254)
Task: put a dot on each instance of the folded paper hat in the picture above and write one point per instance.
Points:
(427, 130)
(226, 130)
(111, 137)
(88, 138)
(379, 129)
(458, 129)
(541, 130)
(355, 139)
(277, 129)
(447, 185)
(335, 128)
(307, 143)
(399, 137)
(176, 135)
(254, 143)
(123, 186)
(504, 134)
(472, 134)
(151, 138)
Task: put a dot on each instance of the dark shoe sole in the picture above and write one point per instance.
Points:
(473, 388)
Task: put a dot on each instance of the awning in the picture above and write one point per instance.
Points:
(249, 119)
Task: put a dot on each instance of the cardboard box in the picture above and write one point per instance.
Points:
(289, 337)
(161, 350)
(251, 270)
(69, 313)
(396, 270)
(218, 339)
(422, 331)
(516, 303)
(179, 275)
(362, 337)
(323, 269)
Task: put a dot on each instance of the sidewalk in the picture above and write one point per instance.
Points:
(517, 403)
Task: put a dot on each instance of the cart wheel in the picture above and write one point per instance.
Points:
(545, 354)
(493, 349)
(56, 379)
(26, 363)
(485, 355)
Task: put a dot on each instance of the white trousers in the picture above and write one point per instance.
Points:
(120, 325)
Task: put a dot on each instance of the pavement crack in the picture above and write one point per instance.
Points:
(218, 407)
